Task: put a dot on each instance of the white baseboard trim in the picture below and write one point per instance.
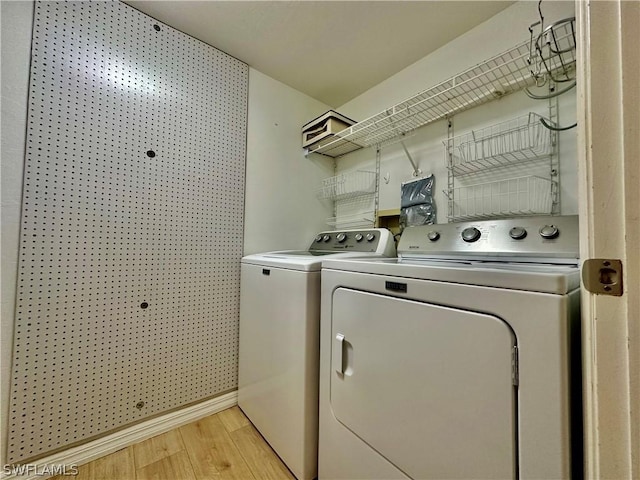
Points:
(115, 441)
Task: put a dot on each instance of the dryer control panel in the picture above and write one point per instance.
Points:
(518, 238)
(377, 240)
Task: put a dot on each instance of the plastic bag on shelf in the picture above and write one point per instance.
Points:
(417, 191)
(416, 204)
(424, 214)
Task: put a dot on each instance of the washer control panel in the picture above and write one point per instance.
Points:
(367, 240)
(548, 236)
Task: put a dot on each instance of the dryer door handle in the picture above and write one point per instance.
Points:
(338, 350)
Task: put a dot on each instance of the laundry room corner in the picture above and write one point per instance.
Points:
(319, 240)
(282, 210)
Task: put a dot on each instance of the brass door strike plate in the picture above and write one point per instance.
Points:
(602, 276)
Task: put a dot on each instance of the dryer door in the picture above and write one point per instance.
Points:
(428, 387)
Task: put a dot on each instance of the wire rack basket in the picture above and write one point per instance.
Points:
(521, 139)
(552, 52)
(348, 185)
(356, 220)
(530, 195)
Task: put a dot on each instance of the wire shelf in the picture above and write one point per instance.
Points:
(521, 139)
(500, 75)
(358, 220)
(348, 185)
(521, 196)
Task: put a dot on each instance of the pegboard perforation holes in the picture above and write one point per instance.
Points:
(107, 228)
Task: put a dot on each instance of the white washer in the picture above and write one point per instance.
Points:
(279, 340)
(459, 359)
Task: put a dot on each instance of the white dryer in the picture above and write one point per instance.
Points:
(457, 360)
(279, 340)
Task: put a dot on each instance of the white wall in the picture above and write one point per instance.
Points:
(17, 19)
(496, 35)
(281, 208)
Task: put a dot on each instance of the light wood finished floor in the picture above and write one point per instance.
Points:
(223, 446)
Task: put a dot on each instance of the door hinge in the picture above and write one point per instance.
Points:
(515, 375)
(602, 276)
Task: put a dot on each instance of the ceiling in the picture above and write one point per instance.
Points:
(331, 50)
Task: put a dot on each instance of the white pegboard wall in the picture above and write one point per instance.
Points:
(132, 225)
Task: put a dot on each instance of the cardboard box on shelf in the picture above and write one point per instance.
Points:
(324, 128)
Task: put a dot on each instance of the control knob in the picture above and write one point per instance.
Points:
(471, 234)
(326, 238)
(433, 235)
(341, 237)
(371, 237)
(549, 232)
(318, 238)
(359, 237)
(517, 233)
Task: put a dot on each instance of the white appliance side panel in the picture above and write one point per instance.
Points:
(429, 388)
(278, 361)
(132, 225)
